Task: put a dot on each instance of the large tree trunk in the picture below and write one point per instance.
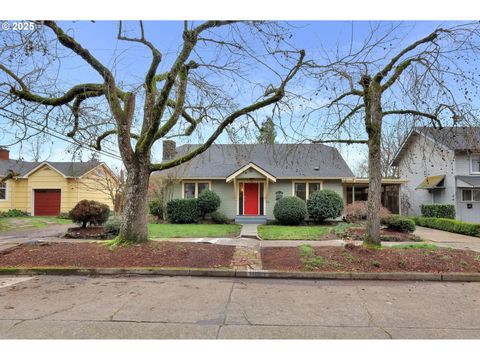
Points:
(374, 130)
(134, 228)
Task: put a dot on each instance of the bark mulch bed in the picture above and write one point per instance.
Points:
(387, 234)
(91, 255)
(91, 232)
(360, 259)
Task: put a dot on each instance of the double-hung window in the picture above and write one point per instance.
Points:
(471, 195)
(304, 189)
(192, 189)
(3, 190)
(475, 164)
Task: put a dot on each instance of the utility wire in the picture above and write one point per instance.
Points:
(56, 134)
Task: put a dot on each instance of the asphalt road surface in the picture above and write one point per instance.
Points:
(194, 307)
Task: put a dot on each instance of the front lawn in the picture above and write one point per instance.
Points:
(319, 232)
(28, 222)
(192, 230)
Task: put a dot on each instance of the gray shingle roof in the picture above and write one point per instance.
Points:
(455, 138)
(69, 169)
(280, 160)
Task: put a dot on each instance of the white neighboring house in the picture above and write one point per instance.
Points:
(442, 166)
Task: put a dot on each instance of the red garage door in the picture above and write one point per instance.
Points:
(47, 202)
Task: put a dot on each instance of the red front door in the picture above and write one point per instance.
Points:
(250, 199)
(47, 202)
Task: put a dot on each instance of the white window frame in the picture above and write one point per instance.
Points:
(471, 196)
(196, 182)
(6, 190)
(307, 195)
(471, 163)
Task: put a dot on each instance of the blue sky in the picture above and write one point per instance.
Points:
(130, 60)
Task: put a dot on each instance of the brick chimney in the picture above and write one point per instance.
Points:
(4, 154)
(169, 150)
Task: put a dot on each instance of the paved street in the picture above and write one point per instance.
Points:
(184, 307)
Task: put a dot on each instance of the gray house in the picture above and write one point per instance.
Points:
(442, 167)
(250, 178)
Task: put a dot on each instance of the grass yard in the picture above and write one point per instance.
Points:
(193, 230)
(28, 222)
(282, 232)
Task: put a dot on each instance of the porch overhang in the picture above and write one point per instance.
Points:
(431, 182)
(251, 165)
(366, 181)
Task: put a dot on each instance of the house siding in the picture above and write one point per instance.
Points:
(229, 202)
(20, 191)
(462, 162)
(423, 158)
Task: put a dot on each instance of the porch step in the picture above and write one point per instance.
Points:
(242, 219)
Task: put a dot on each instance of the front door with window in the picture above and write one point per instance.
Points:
(251, 199)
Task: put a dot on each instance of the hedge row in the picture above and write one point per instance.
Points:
(450, 225)
(444, 211)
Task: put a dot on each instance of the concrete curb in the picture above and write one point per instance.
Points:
(272, 274)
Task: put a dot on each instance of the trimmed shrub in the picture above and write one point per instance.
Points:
(89, 212)
(402, 223)
(182, 211)
(219, 218)
(445, 211)
(358, 212)
(208, 201)
(451, 225)
(290, 210)
(156, 208)
(324, 204)
(14, 213)
(112, 226)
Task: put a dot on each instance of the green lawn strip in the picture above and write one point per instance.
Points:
(26, 222)
(192, 230)
(415, 246)
(282, 232)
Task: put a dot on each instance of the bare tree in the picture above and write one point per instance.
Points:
(392, 137)
(177, 96)
(432, 79)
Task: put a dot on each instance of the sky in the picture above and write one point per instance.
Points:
(129, 62)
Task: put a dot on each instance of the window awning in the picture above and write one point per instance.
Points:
(432, 182)
(468, 181)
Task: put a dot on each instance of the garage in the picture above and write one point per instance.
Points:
(47, 202)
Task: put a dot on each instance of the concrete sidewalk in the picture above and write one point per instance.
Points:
(448, 239)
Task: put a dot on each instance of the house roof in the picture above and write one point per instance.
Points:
(67, 169)
(279, 160)
(452, 138)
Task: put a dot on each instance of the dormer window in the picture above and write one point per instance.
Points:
(475, 164)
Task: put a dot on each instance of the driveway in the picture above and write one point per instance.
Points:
(14, 237)
(448, 239)
(185, 307)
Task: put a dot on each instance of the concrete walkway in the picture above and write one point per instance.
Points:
(183, 307)
(249, 231)
(448, 239)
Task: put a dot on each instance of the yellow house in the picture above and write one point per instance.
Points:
(50, 188)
